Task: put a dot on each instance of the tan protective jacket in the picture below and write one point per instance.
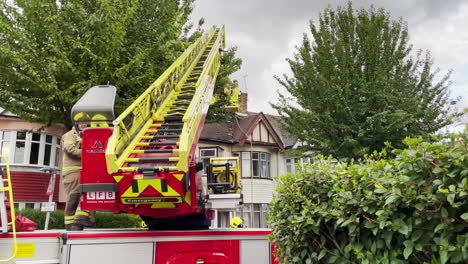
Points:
(71, 148)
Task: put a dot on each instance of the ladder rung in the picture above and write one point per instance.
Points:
(176, 112)
(146, 144)
(163, 130)
(167, 136)
(181, 104)
(170, 130)
(172, 124)
(152, 159)
(174, 118)
(175, 108)
(185, 97)
(140, 151)
(182, 101)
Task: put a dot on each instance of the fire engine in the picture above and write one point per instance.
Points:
(143, 162)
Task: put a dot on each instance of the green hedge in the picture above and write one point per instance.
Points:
(55, 221)
(103, 219)
(110, 220)
(410, 209)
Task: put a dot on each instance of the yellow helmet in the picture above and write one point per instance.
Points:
(236, 222)
(81, 116)
(99, 120)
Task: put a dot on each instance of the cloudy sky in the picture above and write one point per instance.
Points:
(266, 32)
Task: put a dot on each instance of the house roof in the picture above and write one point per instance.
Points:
(6, 113)
(288, 140)
(240, 126)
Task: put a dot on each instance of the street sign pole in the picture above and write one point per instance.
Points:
(51, 197)
(50, 192)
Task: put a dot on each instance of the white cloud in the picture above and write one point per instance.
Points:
(447, 38)
(267, 31)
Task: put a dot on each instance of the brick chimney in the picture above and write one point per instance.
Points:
(243, 103)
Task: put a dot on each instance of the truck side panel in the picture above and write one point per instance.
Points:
(203, 251)
(255, 251)
(112, 253)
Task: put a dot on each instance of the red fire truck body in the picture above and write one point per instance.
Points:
(240, 246)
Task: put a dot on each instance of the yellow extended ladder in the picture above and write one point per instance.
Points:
(159, 130)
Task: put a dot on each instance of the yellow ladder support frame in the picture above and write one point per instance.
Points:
(236, 180)
(12, 208)
(132, 124)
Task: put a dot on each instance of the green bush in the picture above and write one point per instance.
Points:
(110, 220)
(410, 209)
(55, 221)
(103, 219)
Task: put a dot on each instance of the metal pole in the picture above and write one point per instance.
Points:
(51, 197)
(245, 83)
(50, 191)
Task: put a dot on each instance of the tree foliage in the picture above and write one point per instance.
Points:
(229, 64)
(52, 51)
(354, 85)
(411, 209)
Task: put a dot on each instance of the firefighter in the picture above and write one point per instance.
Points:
(75, 219)
(236, 222)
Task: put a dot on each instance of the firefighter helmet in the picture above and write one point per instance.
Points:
(236, 222)
(80, 117)
(99, 120)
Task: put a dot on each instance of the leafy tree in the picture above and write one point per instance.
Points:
(354, 85)
(229, 64)
(52, 51)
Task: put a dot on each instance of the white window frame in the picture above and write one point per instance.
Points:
(10, 140)
(27, 151)
(259, 210)
(202, 157)
(247, 156)
(293, 162)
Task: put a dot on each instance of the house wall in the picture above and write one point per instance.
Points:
(254, 190)
(17, 125)
(29, 182)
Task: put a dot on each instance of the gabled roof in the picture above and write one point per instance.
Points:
(261, 118)
(240, 127)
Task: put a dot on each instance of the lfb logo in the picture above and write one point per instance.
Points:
(100, 195)
(97, 144)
